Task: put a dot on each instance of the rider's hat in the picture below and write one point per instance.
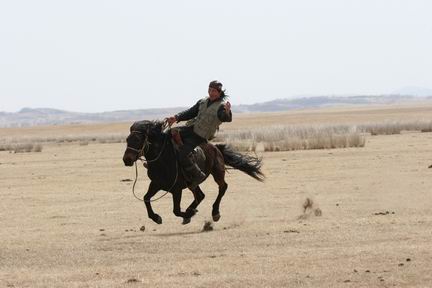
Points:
(216, 85)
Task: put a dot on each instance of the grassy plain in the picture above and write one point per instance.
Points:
(68, 217)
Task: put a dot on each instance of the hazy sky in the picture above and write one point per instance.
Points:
(110, 55)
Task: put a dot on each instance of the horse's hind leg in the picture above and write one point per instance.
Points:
(223, 186)
(198, 197)
(191, 210)
(177, 194)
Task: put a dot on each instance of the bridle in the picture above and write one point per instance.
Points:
(146, 144)
(141, 156)
(146, 147)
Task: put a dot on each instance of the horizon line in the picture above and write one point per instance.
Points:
(256, 103)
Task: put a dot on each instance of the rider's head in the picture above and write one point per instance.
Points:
(215, 90)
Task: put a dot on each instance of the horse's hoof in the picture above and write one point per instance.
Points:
(157, 219)
(186, 221)
(191, 212)
(216, 217)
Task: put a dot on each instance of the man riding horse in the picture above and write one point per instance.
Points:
(148, 139)
(204, 117)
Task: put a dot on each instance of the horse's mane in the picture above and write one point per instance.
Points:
(148, 126)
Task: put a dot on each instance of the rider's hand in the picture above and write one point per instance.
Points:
(227, 106)
(171, 120)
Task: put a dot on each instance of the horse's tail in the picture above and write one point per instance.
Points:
(245, 163)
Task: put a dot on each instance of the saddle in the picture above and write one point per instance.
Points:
(197, 155)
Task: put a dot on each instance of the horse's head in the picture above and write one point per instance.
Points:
(141, 134)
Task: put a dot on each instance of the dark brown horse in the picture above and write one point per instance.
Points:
(147, 139)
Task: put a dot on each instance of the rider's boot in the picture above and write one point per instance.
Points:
(195, 174)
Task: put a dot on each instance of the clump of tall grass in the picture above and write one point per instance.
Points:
(21, 148)
(396, 127)
(88, 139)
(303, 137)
(61, 139)
(37, 148)
(111, 139)
(6, 147)
(286, 138)
(243, 145)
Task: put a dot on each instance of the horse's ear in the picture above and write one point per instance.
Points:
(157, 126)
(160, 125)
(132, 127)
(136, 126)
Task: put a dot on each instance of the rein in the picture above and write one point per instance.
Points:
(141, 157)
(136, 179)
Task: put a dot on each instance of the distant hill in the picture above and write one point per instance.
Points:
(46, 116)
(325, 101)
(414, 91)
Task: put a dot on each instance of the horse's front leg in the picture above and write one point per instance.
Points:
(152, 190)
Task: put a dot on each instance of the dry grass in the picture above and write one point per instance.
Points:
(97, 138)
(6, 147)
(306, 137)
(249, 145)
(37, 148)
(286, 138)
(396, 127)
(21, 148)
(22, 143)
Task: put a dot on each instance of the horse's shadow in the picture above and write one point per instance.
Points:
(172, 234)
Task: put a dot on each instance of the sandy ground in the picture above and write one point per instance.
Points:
(68, 220)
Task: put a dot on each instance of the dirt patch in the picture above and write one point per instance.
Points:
(384, 213)
(132, 280)
(291, 231)
(208, 226)
(310, 208)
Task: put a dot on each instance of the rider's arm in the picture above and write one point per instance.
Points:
(224, 115)
(189, 113)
